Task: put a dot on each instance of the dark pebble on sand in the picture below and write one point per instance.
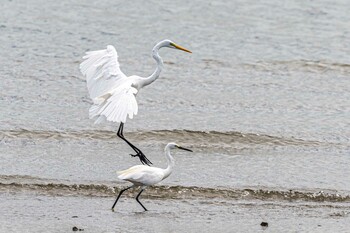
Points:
(77, 229)
(264, 224)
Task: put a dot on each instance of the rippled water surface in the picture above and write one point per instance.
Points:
(263, 101)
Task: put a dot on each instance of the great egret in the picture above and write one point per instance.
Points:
(143, 176)
(112, 92)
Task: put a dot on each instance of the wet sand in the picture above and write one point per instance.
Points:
(30, 212)
(49, 206)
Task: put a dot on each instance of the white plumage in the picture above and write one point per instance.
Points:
(112, 92)
(142, 175)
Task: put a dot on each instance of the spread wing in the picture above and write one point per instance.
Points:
(111, 91)
(102, 72)
(116, 106)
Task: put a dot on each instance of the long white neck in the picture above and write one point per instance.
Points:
(159, 60)
(171, 163)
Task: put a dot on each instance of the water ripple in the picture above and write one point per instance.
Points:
(194, 137)
(58, 188)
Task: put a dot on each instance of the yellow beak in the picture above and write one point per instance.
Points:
(180, 47)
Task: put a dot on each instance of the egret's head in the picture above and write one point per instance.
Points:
(170, 44)
(173, 145)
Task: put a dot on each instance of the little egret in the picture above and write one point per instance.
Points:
(112, 92)
(143, 176)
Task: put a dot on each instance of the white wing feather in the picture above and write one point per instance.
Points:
(102, 72)
(141, 174)
(117, 106)
(109, 88)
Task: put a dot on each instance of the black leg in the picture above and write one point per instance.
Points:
(119, 196)
(121, 135)
(139, 153)
(137, 199)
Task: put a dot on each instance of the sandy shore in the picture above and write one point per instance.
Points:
(30, 212)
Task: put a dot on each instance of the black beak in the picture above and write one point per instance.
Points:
(179, 147)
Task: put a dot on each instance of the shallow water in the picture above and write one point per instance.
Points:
(263, 101)
(61, 214)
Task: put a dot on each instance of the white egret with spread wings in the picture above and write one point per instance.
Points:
(112, 92)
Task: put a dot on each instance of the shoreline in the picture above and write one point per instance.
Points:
(43, 213)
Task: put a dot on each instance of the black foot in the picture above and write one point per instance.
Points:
(142, 158)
